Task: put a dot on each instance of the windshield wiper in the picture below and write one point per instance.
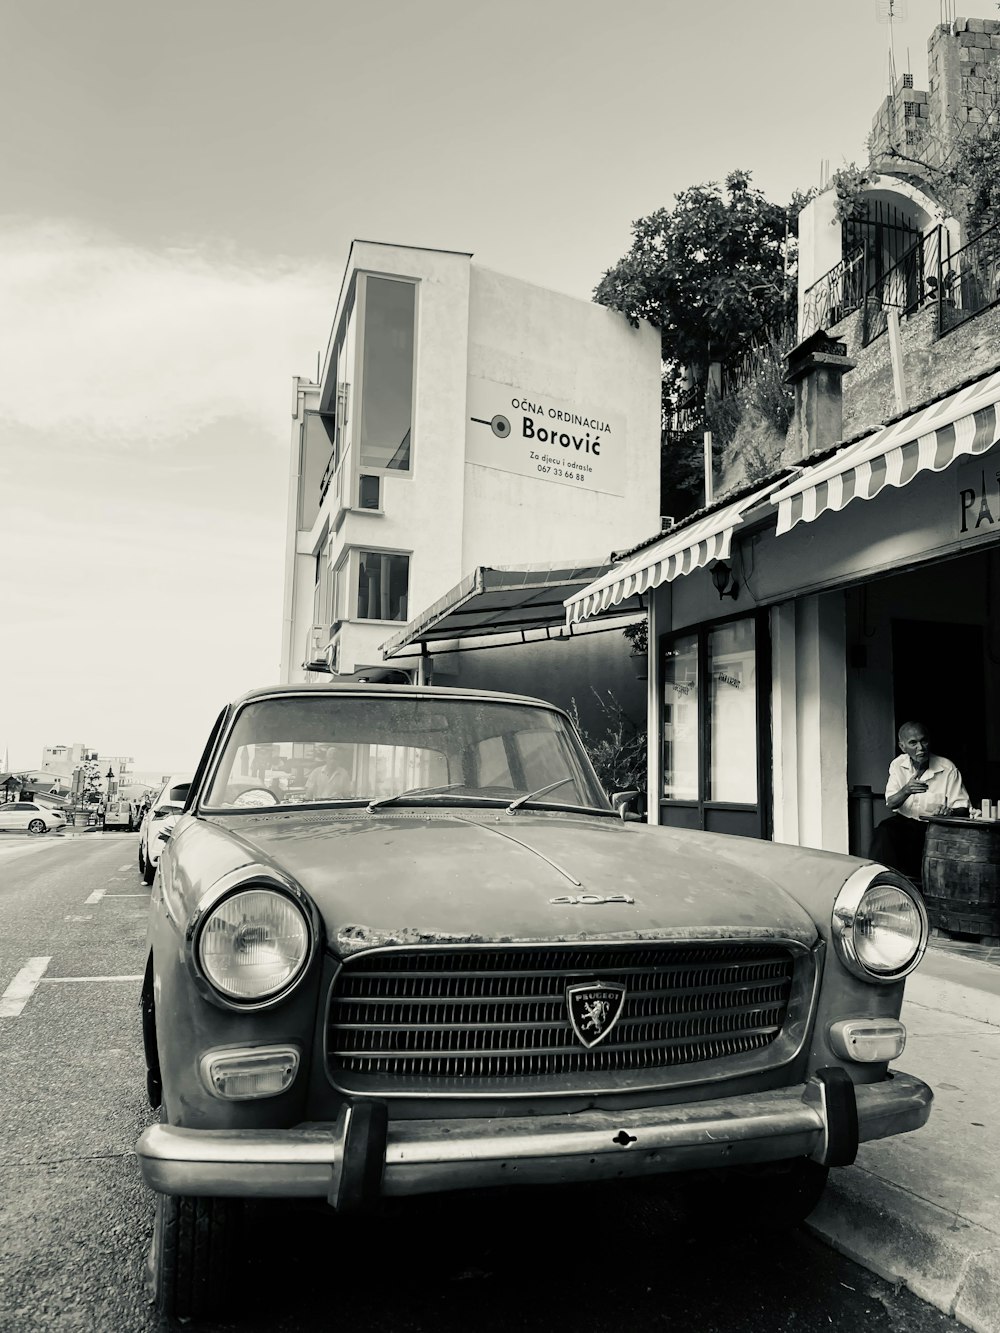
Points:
(534, 795)
(375, 802)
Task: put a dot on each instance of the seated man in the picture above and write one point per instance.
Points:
(920, 783)
(331, 780)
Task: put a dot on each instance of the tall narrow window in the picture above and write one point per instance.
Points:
(387, 374)
(382, 585)
(732, 713)
(680, 720)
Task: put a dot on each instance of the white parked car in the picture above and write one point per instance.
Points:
(158, 821)
(31, 816)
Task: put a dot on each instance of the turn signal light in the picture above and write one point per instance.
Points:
(242, 1075)
(868, 1041)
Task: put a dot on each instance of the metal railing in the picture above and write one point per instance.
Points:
(968, 281)
(904, 287)
(768, 348)
(836, 294)
(922, 274)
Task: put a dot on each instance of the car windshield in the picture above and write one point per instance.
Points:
(381, 748)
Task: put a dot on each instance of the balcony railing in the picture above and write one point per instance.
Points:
(836, 295)
(969, 281)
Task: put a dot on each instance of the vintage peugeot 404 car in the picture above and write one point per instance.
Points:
(401, 942)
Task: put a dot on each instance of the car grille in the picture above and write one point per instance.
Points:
(424, 1019)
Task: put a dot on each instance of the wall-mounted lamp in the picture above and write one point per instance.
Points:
(721, 574)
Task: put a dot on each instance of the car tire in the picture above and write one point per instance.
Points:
(36, 826)
(770, 1197)
(148, 871)
(191, 1256)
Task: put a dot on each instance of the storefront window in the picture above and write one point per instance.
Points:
(387, 374)
(731, 749)
(680, 720)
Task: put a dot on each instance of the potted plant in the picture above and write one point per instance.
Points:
(637, 636)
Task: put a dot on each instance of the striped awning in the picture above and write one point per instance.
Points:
(966, 422)
(674, 554)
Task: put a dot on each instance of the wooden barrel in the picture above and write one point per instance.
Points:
(961, 875)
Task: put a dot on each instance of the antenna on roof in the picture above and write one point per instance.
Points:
(885, 12)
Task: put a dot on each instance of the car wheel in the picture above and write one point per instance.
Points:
(189, 1268)
(148, 871)
(36, 826)
(774, 1196)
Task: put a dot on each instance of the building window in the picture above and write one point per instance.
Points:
(370, 492)
(383, 579)
(731, 749)
(680, 719)
(715, 727)
(387, 374)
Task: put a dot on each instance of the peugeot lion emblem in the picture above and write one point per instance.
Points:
(594, 1009)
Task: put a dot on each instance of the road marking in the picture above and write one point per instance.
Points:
(126, 866)
(94, 898)
(62, 980)
(126, 895)
(21, 989)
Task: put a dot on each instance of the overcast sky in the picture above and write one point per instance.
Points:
(179, 188)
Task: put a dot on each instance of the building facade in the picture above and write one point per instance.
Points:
(462, 419)
(795, 624)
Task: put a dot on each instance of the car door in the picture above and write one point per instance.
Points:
(17, 814)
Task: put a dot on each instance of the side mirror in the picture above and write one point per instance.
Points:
(621, 800)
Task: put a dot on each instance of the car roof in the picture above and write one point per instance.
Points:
(402, 691)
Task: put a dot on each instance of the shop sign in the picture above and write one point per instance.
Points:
(979, 497)
(578, 445)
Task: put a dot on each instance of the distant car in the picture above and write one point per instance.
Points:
(31, 816)
(159, 821)
(435, 957)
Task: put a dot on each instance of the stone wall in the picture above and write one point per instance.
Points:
(932, 366)
(959, 56)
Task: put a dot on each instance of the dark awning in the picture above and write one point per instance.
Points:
(526, 601)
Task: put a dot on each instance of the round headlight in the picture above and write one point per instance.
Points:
(253, 944)
(887, 930)
(880, 926)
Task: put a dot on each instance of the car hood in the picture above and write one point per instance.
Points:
(406, 876)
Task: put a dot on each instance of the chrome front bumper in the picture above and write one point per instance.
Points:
(428, 1156)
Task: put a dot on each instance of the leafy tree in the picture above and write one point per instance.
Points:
(715, 273)
(93, 785)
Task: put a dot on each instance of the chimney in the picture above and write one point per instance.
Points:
(816, 367)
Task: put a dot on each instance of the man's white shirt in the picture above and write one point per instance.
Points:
(944, 784)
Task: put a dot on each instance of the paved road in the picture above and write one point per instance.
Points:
(75, 1219)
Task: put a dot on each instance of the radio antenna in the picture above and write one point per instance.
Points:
(885, 12)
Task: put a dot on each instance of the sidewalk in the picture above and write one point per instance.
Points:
(924, 1208)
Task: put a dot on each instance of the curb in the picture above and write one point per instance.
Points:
(943, 1258)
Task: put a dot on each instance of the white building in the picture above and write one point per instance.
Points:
(462, 419)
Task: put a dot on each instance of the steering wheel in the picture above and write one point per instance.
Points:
(254, 796)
